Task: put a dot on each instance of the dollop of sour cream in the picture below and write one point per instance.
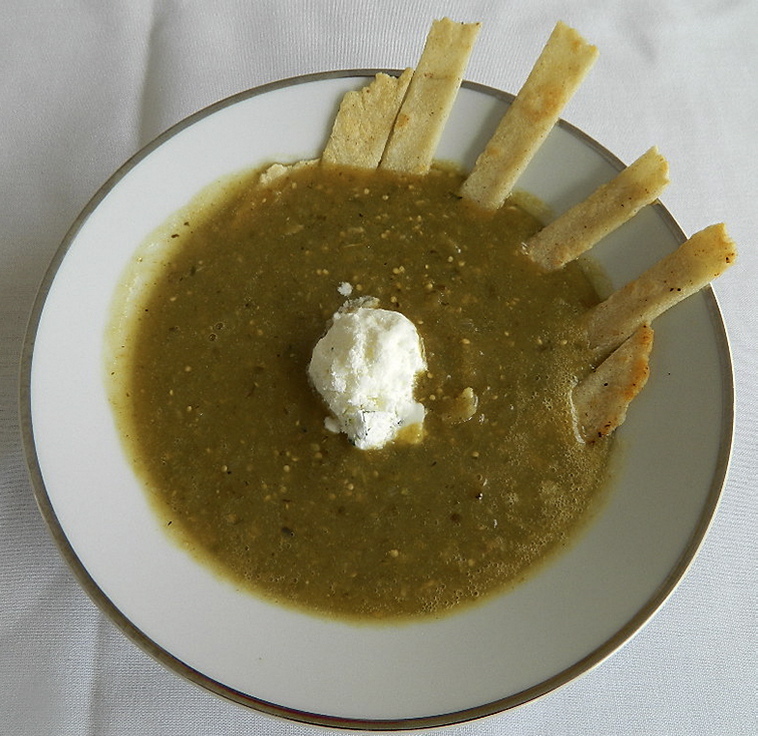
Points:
(365, 368)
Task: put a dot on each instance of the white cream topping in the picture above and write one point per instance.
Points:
(365, 368)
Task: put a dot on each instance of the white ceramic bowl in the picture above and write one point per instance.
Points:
(510, 649)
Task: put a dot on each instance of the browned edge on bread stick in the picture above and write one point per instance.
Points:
(607, 208)
(430, 97)
(706, 255)
(556, 75)
(601, 399)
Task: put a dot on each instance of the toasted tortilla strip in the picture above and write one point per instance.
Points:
(364, 122)
(600, 400)
(703, 257)
(608, 207)
(430, 97)
(556, 75)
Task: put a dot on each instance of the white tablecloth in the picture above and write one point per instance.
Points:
(85, 83)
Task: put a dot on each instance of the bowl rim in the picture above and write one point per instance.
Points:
(122, 622)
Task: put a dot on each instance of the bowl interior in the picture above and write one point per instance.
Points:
(514, 647)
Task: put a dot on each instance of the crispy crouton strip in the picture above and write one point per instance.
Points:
(608, 207)
(703, 257)
(364, 121)
(430, 97)
(556, 75)
(601, 399)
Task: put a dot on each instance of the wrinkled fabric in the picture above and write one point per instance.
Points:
(84, 84)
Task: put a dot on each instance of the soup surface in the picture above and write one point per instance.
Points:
(227, 434)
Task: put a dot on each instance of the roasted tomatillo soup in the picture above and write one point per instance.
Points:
(229, 436)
